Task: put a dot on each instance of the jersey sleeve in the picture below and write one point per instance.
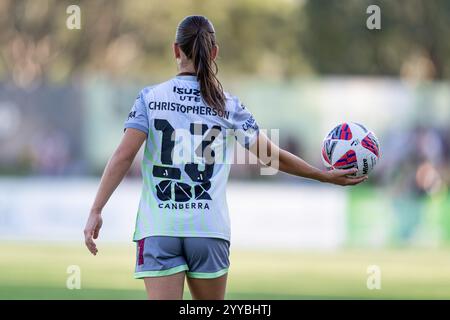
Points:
(244, 124)
(137, 118)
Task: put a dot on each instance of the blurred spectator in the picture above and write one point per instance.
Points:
(50, 153)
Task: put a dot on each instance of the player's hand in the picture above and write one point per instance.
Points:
(92, 230)
(341, 177)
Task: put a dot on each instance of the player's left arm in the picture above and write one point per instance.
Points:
(285, 161)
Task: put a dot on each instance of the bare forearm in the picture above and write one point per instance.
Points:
(115, 171)
(270, 154)
(294, 165)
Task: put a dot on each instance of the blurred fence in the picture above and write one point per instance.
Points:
(263, 215)
(292, 217)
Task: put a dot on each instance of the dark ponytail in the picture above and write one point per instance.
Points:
(196, 38)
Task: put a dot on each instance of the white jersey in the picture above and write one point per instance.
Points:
(187, 157)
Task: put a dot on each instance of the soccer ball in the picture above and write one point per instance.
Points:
(351, 145)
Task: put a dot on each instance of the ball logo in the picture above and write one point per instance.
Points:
(365, 166)
(373, 160)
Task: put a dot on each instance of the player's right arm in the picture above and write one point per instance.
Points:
(285, 161)
(115, 171)
(135, 134)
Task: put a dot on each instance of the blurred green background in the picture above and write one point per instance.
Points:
(300, 67)
(39, 272)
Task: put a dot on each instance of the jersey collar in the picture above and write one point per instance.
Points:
(187, 76)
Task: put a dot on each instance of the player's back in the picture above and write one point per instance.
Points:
(187, 158)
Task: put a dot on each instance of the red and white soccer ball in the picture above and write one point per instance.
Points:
(351, 145)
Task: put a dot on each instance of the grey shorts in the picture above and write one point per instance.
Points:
(202, 258)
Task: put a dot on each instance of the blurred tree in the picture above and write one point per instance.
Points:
(413, 32)
(273, 38)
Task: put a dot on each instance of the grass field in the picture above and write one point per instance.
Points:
(38, 271)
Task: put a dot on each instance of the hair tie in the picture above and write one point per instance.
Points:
(201, 30)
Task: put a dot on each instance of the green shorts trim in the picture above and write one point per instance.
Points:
(160, 273)
(207, 275)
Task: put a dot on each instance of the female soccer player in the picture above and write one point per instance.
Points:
(189, 125)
